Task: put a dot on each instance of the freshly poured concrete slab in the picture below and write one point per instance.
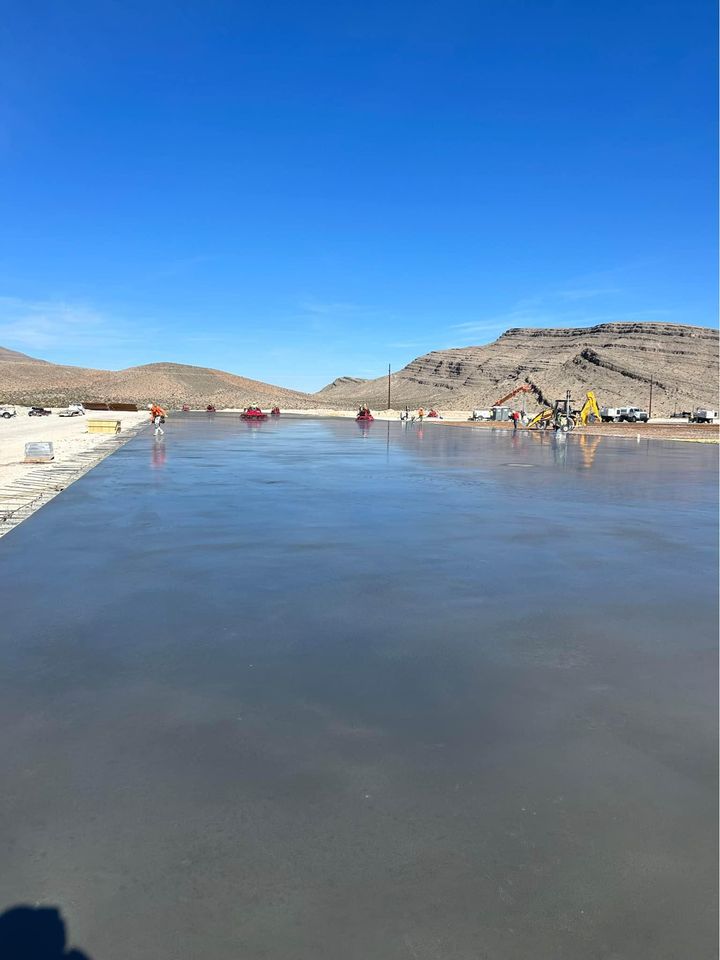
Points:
(304, 691)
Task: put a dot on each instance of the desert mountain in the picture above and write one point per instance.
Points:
(12, 355)
(26, 380)
(342, 382)
(616, 360)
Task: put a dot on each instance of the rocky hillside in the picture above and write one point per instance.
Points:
(616, 360)
(27, 380)
(339, 382)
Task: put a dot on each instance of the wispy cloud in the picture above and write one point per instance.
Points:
(487, 326)
(45, 324)
(562, 306)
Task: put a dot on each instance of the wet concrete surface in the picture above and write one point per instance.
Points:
(303, 691)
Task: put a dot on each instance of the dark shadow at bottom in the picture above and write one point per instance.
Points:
(35, 933)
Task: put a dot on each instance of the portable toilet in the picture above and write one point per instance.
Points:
(501, 413)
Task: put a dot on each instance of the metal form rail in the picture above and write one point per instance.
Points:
(22, 497)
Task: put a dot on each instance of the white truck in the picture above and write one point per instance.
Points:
(704, 416)
(624, 414)
(7, 411)
(481, 415)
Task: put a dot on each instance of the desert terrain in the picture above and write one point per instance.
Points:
(619, 361)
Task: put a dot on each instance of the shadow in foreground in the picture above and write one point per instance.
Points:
(35, 933)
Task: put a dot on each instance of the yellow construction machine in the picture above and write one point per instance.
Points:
(590, 411)
(557, 417)
(561, 417)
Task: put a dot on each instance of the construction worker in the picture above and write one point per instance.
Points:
(157, 416)
(515, 416)
(420, 414)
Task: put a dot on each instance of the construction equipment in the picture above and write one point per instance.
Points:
(558, 417)
(524, 388)
(590, 411)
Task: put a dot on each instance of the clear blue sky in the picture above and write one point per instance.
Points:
(295, 191)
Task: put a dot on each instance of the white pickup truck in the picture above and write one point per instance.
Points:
(624, 414)
(7, 411)
(73, 410)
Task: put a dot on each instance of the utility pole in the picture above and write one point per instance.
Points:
(388, 406)
(650, 406)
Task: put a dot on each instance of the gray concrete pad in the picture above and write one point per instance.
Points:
(305, 692)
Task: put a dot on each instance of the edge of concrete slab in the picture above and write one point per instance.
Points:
(21, 498)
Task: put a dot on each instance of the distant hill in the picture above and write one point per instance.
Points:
(27, 380)
(13, 356)
(342, 382)
(616, 360)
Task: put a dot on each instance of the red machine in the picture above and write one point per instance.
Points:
(253, 413)
(186, 408)
(364, 418)
(434, 413)
(210, 408)
(275, 412)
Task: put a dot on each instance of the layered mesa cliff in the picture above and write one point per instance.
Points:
(616, 360)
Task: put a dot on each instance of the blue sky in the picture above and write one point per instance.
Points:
(296, 191)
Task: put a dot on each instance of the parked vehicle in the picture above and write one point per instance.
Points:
(481, 415)
(74, 410)
(633, 415)
(624, 414)
(704, 416)
(39, 412)
(8, 411)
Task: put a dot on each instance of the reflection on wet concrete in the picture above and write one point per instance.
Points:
(159, 452)
(309, 692)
